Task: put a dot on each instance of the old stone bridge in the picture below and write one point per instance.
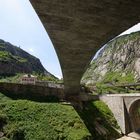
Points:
(78, 28)
(126, 109)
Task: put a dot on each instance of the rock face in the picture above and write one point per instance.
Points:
(15, 60)
(121, 55)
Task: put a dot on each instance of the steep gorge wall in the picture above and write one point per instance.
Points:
(120, 55)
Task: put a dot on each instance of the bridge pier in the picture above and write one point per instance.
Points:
(78, 100)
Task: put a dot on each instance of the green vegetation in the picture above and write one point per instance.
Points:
(118, 78)
(1, 46)
(14, 60)
(28, 120)
(110, 81)
(100, 121)
(46, 78)
(116, 64)
(7, 56)
(4, 98)
(20, 59)
(107, 89)
(124, 39)
(17, 77)
(139, 111)
(13, 79)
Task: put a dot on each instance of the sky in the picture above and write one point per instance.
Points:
(20, 26)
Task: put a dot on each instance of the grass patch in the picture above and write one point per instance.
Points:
(28, 120)
(16, 78)
(8, 57)
(117, 77)
(11, 78)
(111, 79)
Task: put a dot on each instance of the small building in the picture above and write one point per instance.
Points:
(28, 79)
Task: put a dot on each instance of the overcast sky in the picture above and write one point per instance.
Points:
(20, 26)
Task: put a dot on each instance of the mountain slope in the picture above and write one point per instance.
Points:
(119, 60)
(15, 60)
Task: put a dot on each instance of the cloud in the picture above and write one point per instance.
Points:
(31, 51)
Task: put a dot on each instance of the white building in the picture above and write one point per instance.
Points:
(28, 79)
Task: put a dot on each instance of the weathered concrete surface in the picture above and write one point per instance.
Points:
(78, 28)
(125, 110)
(135, 135)
(131, 136)
(127, 138)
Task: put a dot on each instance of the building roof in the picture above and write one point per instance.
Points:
(29, 76)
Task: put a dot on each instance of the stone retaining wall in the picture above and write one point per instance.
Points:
(30, 91)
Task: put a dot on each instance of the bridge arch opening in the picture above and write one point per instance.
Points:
(134, 113)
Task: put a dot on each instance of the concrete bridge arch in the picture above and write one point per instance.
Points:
(78, 29)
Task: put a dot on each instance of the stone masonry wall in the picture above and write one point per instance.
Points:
(30, 91)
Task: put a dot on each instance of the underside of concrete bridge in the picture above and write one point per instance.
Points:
(78, 28)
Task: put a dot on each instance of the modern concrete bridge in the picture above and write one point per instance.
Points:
(126, 110)
(78, 28)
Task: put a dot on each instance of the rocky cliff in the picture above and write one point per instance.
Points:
(120, 57)
(15, 60)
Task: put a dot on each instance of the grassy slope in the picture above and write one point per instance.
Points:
(28, 120)
(7, 56)
(40, 121)
(100, 121)
(115, 78)
(14, 79)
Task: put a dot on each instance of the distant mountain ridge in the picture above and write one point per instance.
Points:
(15, 60)
(120, 57)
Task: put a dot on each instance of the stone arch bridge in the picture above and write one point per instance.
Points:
(126, 109)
